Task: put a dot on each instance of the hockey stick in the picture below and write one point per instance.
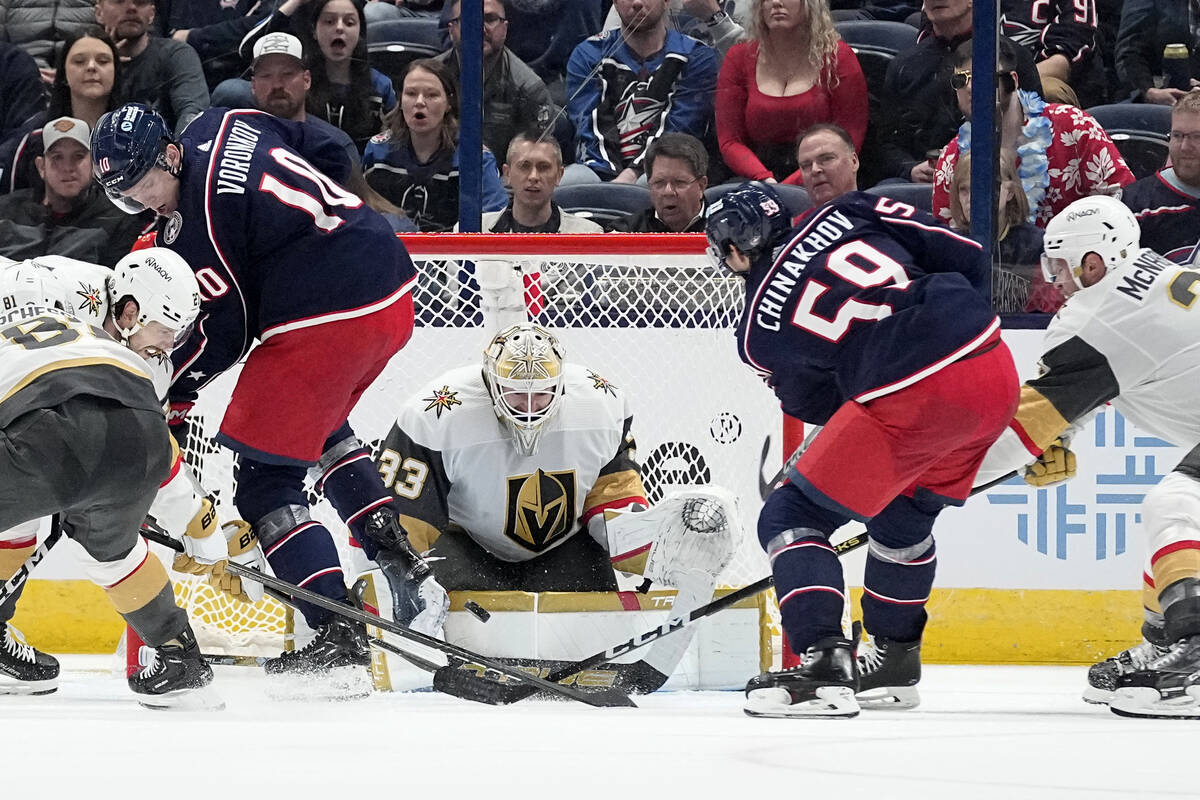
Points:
(515, 693)
(489, 668)
(10, 587)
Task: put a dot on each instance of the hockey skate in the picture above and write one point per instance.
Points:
(1104, 675)
(23, 668)
(1168, 687)
(822, 686)
(175, 676)
(888, 672)
(333, 666)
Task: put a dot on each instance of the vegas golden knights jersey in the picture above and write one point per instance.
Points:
(48, 356)
(85, 285)
(1132, 339)
(449, 460)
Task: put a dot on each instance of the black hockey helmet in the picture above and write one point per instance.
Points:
(127, 144)
(752, 218)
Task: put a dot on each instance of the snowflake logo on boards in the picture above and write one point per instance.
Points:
(442, 399)
(602, 384)
(91, 296)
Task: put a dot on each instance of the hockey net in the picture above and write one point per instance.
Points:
(644, 311)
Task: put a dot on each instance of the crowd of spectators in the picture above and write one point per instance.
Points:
(675, 95)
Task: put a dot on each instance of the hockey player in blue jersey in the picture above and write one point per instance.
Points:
(872, 320)
(287, 258)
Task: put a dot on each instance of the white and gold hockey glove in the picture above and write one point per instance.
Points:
(244, 550)
(1054, 465)
(202, 547)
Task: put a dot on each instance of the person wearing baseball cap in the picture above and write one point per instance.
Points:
(68, 215)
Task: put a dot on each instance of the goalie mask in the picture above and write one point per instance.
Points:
(164, 288)
(523, 372)
(1101, 225)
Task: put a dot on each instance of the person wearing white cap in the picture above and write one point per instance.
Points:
(68, 215)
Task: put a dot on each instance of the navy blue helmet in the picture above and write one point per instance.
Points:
(127, 144)
(752, 218)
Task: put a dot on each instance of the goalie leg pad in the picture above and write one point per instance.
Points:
(900, 568)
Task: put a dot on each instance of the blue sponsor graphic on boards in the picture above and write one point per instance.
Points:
(1082, 519)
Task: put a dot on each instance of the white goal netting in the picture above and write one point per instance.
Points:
(646, 312)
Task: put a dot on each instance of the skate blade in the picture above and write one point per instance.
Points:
(889, 698)
(831, 702)
(1097, 697)
(203, 699)
(12, 686)
(1145, 703)
(339, 683)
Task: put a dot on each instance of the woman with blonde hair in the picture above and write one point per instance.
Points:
(1017, 283)
(793, 72)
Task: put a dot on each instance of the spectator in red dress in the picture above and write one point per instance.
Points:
(793, 72)
(1062, 152)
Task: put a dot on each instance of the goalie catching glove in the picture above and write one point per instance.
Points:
(693, 530)
(1054, 465)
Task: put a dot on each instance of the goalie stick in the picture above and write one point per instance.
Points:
(488, 667)
(11, 586)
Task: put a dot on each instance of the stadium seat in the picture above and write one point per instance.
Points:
(919, 195)
(796, 197)
(393, 58)
(414, 30)
(602, 202)
(876, 43)
(1140, 131)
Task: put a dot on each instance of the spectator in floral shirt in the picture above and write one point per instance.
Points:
(1063, 153)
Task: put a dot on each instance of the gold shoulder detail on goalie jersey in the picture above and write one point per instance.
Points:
(602, 384)
(442, 399)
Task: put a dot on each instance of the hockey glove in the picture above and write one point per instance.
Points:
(202, 547)
(1054, 465)
(242, 543)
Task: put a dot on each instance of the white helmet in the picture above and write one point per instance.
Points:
(1102, 225)
(522, 365)
(164, 287)
(29, 283)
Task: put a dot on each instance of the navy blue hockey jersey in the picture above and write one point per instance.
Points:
(274, 242)
(868, 296)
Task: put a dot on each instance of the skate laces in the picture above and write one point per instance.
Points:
(870, 657)
(150, 662)
(15, 646)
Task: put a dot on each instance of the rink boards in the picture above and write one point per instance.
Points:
(1024, 575)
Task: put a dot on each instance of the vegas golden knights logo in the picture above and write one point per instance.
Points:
(540, 509)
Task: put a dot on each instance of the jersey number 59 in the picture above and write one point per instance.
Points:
(860, 264)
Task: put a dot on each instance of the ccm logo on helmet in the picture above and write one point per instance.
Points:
(1087, 212)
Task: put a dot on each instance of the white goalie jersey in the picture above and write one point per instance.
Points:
(450, 461)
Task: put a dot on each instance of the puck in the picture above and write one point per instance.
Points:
(477, 610)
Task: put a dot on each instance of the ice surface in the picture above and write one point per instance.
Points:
(981, 732)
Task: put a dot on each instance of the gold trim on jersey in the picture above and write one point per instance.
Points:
(1037, 416)
(139, 587)
(55, 366)
(421, 535)
(614, 486)
(11, 559)
(1175, 566)
(540, 509)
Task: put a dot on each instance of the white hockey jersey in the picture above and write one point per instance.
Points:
(1132, 339)
(449, 461)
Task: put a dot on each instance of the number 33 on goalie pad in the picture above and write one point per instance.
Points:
(687, 531)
